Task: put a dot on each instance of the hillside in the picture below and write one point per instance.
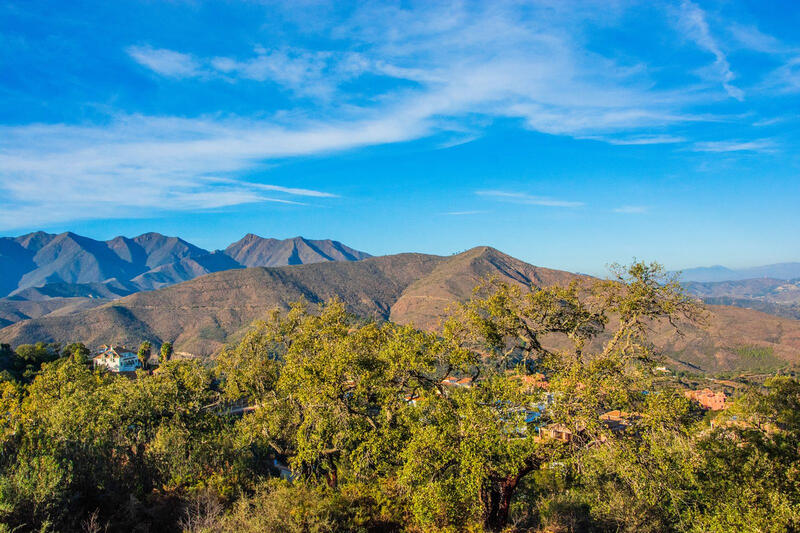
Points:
(775, 296)
(200, 315)
(12, 311)
(426, 300)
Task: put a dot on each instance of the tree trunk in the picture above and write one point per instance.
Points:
(501, 491)
(499, 503)
(333, 475)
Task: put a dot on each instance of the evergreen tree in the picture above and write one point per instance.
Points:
(144, 353)
(166, 353)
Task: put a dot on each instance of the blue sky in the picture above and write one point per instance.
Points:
(570, 135)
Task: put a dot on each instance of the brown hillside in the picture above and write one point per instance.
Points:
(200, 315)
(426, 300)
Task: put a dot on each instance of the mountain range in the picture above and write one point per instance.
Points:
(68, 270)
(201, 315)
(775, 296)
(718, 273)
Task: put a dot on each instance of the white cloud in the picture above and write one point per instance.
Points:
(751, 38)
(769, 121)
(693, 22)
(303, 72)
(643, 140)
(786, 78)
(277, 188)
(141, 165)
(527, 199)
(758, 145)
(165, 62)
(449, 69)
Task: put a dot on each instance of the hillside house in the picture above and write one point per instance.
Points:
(116, 359)
(555, 432)
(532, 382)
(715, 401)
(617, 421)
(451, 381)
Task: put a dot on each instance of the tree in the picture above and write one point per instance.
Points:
(144, 353)
(166, 353)
(29, 358)
(387, 427)
(331, 392)
(77, 351)
(345, 401)
(472, 459)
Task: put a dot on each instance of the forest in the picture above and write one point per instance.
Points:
(526, 411)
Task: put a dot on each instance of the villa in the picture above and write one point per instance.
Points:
(116, 359)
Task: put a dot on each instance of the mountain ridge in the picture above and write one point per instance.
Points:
(147, 261)
(719, 273)
(201, 315)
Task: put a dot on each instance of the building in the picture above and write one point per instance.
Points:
(116, 359)
(709, 399)
(617, 421)
(532, 382)
(555, 432)
(451, 381)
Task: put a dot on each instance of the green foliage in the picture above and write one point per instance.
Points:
(757, 357)
(144, 352)
(24, 362)
(383, 427)
(78, 352)
(281, 507)
(165, 353)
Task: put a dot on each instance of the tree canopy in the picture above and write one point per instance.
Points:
(529, 410)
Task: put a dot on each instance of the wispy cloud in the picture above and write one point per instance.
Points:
(644, 140)
(315, 73)
(277, 188)
(786, 78)
(141, 165)
(528, 199)
(694, 23)
(750, 37)
(448, 69)
(632, 209)
(769, 121)
(759, 145)
(165, 62)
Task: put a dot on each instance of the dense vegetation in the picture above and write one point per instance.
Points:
(376, 437)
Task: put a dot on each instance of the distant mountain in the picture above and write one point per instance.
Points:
(775, 296)
(784, 310)
(253, 250)
(52, 263)
(68, 272)
(201, 315)
(767, 289)
(39, 259)
(110, 289)
(185, 269)
(721, 273)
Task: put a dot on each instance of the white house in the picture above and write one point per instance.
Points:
(117, 359)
